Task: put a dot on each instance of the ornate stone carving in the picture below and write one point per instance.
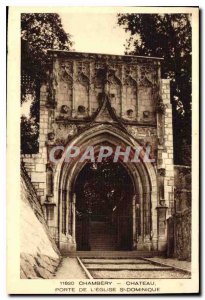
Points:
(83, 79)
(66, 71)
(144, 82)
(64, 132)
(130, 81)
(147, 75)
(133, 131)
(146, 114)
(65, 109)
(142, 132)
(160, 107)
(130, 113)
(162, 172)
(107, 74)
(83, 67)
(51, 138)
(130, 71)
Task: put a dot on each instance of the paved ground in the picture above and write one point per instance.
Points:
(138, 274)
(182, 264)
(70, 269)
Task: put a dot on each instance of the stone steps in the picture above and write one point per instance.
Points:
(101, 237)
(118, 267)
(115, 254)
(113, 261)
(119, 264)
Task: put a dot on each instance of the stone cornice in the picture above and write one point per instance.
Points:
(99, 56)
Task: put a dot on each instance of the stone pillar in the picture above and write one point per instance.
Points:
(74, 219)
(134, 222)
(73, 90)
(165, 160)
(60, 234)
(140, 237)
(67, 242)
(161, 176)
(67, 212)
(161, 224)
(154, 215)
(138, 221)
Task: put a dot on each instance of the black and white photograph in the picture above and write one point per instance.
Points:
(107, 118)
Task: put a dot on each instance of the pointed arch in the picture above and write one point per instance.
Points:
(143, 176)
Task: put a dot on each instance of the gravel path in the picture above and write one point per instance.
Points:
(70, 269)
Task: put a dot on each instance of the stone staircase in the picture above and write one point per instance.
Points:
(102, 237)
(115, 254)
(124, 268)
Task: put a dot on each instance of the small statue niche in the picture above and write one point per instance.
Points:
(130, 113)
(81, 109)
(64, 109)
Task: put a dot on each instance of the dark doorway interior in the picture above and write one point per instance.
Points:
(104, 194)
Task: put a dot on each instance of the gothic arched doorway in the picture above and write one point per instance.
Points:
(140, 215)
(104, 220)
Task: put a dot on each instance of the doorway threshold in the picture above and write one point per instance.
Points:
(115, 254)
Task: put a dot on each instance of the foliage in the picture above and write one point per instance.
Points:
(167, 36)
(101, 187)
(39, 33)
(29, 135)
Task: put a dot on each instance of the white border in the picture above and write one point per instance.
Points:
(3, 90)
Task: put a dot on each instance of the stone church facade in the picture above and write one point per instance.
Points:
(97, 99)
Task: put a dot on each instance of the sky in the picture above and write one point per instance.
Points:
(97, 33)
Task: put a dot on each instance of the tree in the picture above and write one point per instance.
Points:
(39, 33)
(101, 186)
(29, 135)
(167, 36)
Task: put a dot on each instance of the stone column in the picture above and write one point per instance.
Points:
(161, 224)
(73, 90)
(67, 212)
(161, 176)
(134, 222)
(74, 219)
(154, 215)
(60, 195)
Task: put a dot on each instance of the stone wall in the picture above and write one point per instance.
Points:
(179, 235)
(165, 144)
(182, 188)
(39, 256)
(179, 224)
